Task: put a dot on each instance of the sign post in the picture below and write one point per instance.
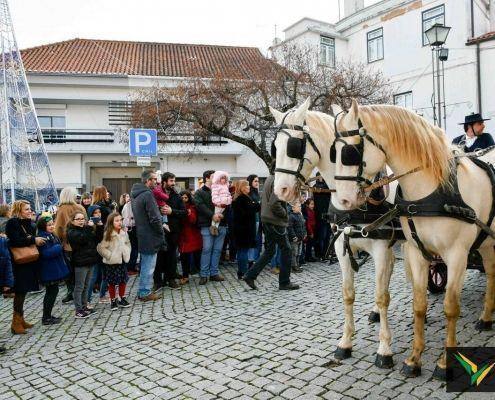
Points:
(143, 143)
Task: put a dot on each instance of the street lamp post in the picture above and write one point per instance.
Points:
(437, 35)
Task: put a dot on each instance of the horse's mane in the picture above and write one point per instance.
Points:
(411, 137)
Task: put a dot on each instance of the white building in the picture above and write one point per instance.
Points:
(388, 36)
(81, 89)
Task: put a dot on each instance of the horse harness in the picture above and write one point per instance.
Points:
(352, 155)
(296, 147)
(441, 203)
(350, 224)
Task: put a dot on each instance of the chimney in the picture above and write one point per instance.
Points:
(492, 15)
(353, 6)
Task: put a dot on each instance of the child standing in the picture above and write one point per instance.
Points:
(97, 277)
(297, 233)
(82, 239)
(6, 274)
(220, 196)
(53, 268)
(311, 230)
(115, 248)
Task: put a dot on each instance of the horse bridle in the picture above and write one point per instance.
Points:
(352, 154)
(296, 147)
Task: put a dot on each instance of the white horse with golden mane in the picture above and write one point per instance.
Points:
(410, 145)
(287, 186)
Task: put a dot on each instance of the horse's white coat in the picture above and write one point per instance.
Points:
(286, 187)
(449, 238)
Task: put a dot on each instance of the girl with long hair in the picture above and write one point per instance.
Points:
(115, 249)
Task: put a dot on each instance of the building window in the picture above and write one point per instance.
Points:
(52, 122)
(327, 51)
(375, 45)
(404, 100)
(431, 17)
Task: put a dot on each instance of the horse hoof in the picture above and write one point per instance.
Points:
(342, 354)
(374, 317)
(440, 374)
(410, 371)
(483, 325)
(384, 361)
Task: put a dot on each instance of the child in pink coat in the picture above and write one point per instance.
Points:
(220, 196)
(161, 199)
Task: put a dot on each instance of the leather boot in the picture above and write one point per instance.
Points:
(25, 324)
(17, 328)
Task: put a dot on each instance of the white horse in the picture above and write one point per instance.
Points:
(286, 187)
(407, 143)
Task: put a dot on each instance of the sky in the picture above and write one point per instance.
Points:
(220, 22)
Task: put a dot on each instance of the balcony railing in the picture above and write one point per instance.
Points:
(56, 135)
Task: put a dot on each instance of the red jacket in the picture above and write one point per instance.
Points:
(190, 238)
(310, 222)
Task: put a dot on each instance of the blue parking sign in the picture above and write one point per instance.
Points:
(143, 142)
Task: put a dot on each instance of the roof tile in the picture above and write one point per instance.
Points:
(120, 58)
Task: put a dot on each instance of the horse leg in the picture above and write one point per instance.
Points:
(485, 321)
(374, 315)
(456, 266)
(384, 264)
(344, 348)
(419, 275)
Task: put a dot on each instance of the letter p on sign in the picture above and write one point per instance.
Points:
(143, 142)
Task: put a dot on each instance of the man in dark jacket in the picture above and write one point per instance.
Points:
(274, 217)
(175, 210)
(475, 138)
(149, 232)
(323, 232)
(212, 245)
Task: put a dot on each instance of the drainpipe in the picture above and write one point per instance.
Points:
(478, 62)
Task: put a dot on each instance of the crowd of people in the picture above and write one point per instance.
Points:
(92, 244)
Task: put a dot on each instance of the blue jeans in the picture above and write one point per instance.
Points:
(276, 260)
(255, 252)
(97, 273)
(242, 260)
(212, 249)
(148, 263)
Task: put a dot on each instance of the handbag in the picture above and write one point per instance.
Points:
(26, 254)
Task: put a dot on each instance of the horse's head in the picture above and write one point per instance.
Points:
(295, 152)
(357, 157)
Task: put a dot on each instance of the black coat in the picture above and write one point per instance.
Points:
(148, 220)
(83, 243)
(26, 277)
(322, 201)
(482, 142)
(244, 227)
(205, 207)
(176, 219)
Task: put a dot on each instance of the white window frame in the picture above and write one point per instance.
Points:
(51, 121)
(327, 51)
(435, 15)
(404, 99)
(374, 40)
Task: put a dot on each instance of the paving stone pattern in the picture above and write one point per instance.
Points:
(222, 341)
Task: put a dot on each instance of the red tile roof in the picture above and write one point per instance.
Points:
(120, 58)
(483, 38)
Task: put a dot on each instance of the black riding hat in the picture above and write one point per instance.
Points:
(472, 118)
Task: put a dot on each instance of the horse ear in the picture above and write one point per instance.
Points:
(276, 114)
(354, 110)
(300, 113)
(335, 108)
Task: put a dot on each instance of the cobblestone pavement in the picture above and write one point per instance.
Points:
(221, 341)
